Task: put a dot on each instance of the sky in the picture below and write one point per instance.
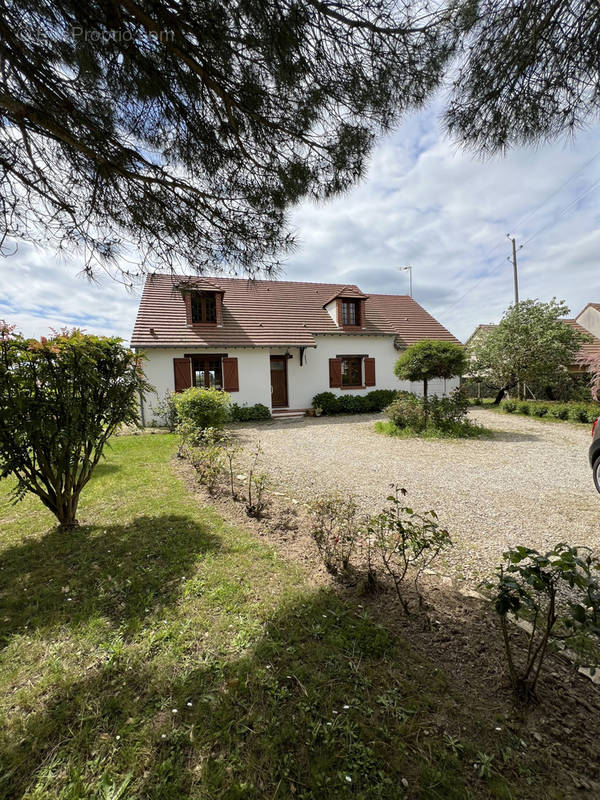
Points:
(423, 202)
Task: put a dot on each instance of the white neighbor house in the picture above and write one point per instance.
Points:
(276, 342)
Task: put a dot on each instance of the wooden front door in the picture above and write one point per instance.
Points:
(279, 393)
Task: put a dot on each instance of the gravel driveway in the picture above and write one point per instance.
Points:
(530, 484)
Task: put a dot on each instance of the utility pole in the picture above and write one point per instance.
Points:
(514, 263)
(516, 282)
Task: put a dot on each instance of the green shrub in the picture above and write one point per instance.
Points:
(476, 401)
(407, 412)
(61, 400)
(539, 409)
(524, 407)
(254, 413)
(447, 411)
(558, 593)
(351, 404)
(203, 408)
(379, 399)
(509, 406)
(559, 412)
(326, 401)
(580, 413)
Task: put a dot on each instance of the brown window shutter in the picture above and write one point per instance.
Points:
(335, 373)
(231, 381)
(369, 372)
(182, 367)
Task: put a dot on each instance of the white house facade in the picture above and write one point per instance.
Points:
(278, 343)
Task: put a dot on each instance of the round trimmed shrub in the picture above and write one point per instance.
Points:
(540, 410)
(524, 408)
(509, 406)
(203, 408)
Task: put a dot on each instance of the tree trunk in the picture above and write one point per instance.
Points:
(66, 511)
(501, 393)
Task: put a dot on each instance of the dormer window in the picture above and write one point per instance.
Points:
(204, 307)
(350, 312)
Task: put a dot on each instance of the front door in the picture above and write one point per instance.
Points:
(279, 394)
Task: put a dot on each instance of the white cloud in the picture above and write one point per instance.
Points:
(423, 202)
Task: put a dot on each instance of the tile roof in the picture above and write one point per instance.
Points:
(481, 329)
(410, 321)
(589, 349)
(270, 313)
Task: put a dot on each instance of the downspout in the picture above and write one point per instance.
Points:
(142, 415)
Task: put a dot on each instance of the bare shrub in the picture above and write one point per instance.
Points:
(406, 541)
(335, 529)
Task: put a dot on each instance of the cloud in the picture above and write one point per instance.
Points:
(424, 202)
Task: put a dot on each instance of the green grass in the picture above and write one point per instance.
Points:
(160, 653)
(462, 430)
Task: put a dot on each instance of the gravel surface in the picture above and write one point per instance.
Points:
(530, 484)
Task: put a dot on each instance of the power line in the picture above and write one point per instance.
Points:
(564, 210)
(493, 271)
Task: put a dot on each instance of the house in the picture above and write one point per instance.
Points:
(276, 342)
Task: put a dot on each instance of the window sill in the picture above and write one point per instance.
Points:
(352, 387)
(202, 324)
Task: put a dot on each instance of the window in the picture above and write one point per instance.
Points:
(204, 307)
(351, 371)
(350, 312)
(207, 373)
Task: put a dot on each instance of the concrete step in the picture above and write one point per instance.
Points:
(286, 413)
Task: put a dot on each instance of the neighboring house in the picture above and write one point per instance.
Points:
(276, 342)
(479, 332)
(587, 321)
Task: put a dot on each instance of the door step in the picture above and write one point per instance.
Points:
(288, 413)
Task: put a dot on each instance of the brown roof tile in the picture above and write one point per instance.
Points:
(589, 349)
(410, 321)
(271, 313)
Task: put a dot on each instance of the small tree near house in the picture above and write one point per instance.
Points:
(430, 359)
(61, 399)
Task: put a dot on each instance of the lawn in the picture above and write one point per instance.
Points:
(159, 652)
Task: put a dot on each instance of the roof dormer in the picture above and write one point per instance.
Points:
(203, 302)
(347, 308)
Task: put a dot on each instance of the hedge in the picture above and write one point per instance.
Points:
(575, 412)
(376, 400)
(249, 413)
